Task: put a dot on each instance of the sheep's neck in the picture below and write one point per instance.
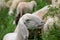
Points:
(19, 37)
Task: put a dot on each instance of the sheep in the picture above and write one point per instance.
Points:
(9, 3)
(22, 33)
(49, 21)
(32, 25)
(56, 3)
(14, 5)
(24, 6)
(41, 12)
(33, 20)
(3, 4)
(26, 22)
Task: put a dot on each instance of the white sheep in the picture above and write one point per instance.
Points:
(14, 5)
(27, 21)
(56, 3)
(24, 7)
(12, 2)
(22, 33)
(9, 3)
(32, 21)
(49, 22)
(3, 4)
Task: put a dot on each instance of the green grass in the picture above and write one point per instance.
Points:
(53, 33)
(6, 22)
(6, 25)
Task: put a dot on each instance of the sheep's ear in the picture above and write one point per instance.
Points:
(23, 30)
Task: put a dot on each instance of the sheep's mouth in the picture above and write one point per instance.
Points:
(40, 26)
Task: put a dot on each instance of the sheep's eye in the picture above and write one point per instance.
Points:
(28, 20)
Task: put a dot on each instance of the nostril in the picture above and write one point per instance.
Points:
(28, 20)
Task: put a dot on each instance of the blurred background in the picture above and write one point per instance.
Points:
(6, 22)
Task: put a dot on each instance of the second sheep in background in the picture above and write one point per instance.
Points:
(25, 7)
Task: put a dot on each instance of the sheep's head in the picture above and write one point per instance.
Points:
(34, 4)
(32, 21)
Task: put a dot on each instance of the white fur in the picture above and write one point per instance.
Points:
(21, 32)
(2, 2)
(20, 35)
(9, 3)
(56, 3)
(10, 36)
(45, 9)
(41, 12)
(49, 22)
(25, 7)
(14, 5)
(34, 22)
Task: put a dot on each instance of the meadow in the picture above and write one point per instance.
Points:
(6, 23)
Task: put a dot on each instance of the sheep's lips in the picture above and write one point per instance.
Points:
(41, 26)
(38, 27)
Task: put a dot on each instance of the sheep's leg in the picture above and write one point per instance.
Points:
(18, 15)
(13, 6)
(21, 14)
(19, 11)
